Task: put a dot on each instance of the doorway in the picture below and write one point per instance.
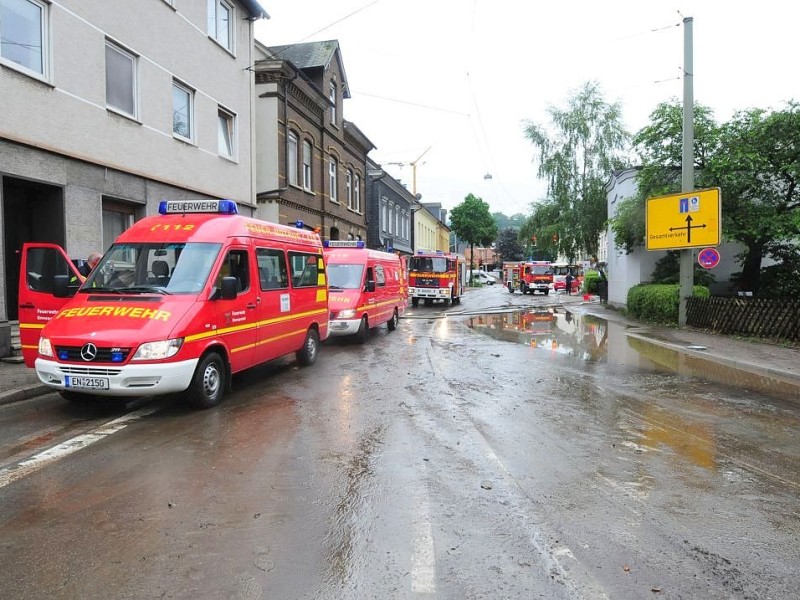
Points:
(32, 212)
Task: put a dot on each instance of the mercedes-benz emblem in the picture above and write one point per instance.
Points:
(89, 352)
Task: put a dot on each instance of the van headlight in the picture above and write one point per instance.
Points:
(348, 313)
(158, 350)
(45, 348)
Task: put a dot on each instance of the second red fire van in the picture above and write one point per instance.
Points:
(180, 302)
(367, 288)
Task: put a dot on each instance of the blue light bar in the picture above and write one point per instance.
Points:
(182, 207)
(299, 224)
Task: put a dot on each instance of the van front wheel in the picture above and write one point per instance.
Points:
(75, 397)
(363, 330)
(209, 381)
(308, 353)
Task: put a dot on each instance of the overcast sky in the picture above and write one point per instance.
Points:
(452, 81)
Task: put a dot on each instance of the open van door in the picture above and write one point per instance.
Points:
(41, 263)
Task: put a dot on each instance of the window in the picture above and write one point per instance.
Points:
(332, 98)
(235, 265)
(306, 166)
(291, 158)
(117, 217)
(333, 167)
(357, 195)
(306, 269)
(227, 138)
(272, 271)
(182, 110)
(349, 187)
(23, 34)
(384, 219)
(380, 277)
(220, 22)
(120, 80)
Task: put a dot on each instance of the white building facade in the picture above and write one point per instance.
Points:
(109, 107)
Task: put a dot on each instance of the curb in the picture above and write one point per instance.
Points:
(741, 365)
(24, 393)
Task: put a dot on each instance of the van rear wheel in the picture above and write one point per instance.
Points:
(209, 381)
(392, 323)
(307, 355)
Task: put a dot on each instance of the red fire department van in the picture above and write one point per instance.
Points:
(180, 302)
(367, 288)
(436, 276)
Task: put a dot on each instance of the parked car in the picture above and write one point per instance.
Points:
(481, 277)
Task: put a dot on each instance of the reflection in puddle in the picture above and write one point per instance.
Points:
(582, 336)
(592, 339)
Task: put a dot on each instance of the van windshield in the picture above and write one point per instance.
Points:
(345, 277)
(164, 268)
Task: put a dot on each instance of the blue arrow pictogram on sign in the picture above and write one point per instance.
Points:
(684, 205)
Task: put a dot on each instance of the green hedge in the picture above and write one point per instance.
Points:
(590, 280)
(658, 303)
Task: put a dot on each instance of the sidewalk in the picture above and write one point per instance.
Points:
(760, 359)
(779, 363)
(18, 382)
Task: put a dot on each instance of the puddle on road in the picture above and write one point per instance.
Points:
(591, 339)
(582, 336)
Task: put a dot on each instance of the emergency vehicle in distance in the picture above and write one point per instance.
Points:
(529, 277)
(436, 276)
(180, 302)
(560, 271)
(367, 288)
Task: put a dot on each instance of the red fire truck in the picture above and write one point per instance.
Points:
(529, 277)
(436, 275)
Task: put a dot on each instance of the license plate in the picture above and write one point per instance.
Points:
(86, 383)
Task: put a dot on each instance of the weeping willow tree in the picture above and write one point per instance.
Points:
(576, 154)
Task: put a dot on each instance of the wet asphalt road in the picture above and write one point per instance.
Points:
(486, 454)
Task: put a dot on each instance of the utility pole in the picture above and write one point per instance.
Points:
(687, 166)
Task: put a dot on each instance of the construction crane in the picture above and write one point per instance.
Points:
(413, 165)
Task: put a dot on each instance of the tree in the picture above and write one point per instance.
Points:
(473, 223)
(508, 245)
(660, 147)
(503, 221)
(587, 144)
(754, 159)
(758, 169)
(542, 229)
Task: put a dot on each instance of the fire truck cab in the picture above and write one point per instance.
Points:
(179, 303)
(367, 288)
(436, 276)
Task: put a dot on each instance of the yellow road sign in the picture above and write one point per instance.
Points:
(685, 220)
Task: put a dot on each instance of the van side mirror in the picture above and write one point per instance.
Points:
(370, 286)
(61, 286)
(230, 287)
